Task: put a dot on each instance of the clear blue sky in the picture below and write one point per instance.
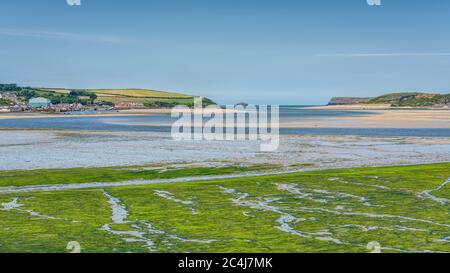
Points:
(259, 51)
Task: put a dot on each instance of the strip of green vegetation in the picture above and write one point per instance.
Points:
(320, 211)
(114, 174)
(4, 102)
(168, 103)
(413, 99)
(105, 97)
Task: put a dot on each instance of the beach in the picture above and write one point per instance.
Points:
(118, 113)
(25, 150)
(357, 117)
(377, 118)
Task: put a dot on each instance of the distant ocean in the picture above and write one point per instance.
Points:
(162, 123)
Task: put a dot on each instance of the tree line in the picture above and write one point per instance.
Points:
(74, 96)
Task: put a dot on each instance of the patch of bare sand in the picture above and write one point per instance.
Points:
(130, 112)
(371, 118)
(43, 115)
(379, 119)
(352, 107)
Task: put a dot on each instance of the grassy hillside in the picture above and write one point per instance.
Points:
(150, 98)
(391, 98)
(139, 93)
(410, 99)
(145, 93)
(404, 209)
(435, 100)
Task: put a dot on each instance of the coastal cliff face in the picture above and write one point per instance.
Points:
(412, 99)
(348, 101)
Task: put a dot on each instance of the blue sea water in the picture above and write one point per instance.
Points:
(162, 123)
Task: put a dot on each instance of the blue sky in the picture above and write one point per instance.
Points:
(259, 51)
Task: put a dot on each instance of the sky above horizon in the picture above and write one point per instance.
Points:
(260, 51)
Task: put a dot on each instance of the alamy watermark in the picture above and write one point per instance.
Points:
(232, 123)
(374, 2)
(73, 2)
(374, 247)
(74, 247)
(78, 2)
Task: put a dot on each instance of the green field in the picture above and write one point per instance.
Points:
(145, 93)
(143, 97)
(131, 95)
(404, 209)
(140, 93)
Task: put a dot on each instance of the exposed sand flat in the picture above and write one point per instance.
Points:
(130, 112)
(388, 118)
(31, 150)
(43, 115)
(372, 117)
(352, 107)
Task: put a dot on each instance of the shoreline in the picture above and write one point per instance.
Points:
(354, 107)
(119, 113)
(372, 118)
(25, 149)
(132, 112)
(382, 119)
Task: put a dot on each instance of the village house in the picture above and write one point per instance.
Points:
(9, 96)
(65, 107)
(122, 105)
(39, 102)
(4, 109)
(17, 108)
(129, 105)
(137, 105)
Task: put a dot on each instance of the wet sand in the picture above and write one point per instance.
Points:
(24, 150)
(41, 115)
(354, 107)
(107, 114)
(372, 117)
(120, 113)
(387, 118)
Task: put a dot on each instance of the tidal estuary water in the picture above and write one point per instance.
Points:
(28, 149)
(162, 123)
(137, 140)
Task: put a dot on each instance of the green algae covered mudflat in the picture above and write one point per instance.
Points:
(403, 209)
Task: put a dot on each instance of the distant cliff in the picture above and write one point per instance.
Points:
(348, 101)
(408, 99)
